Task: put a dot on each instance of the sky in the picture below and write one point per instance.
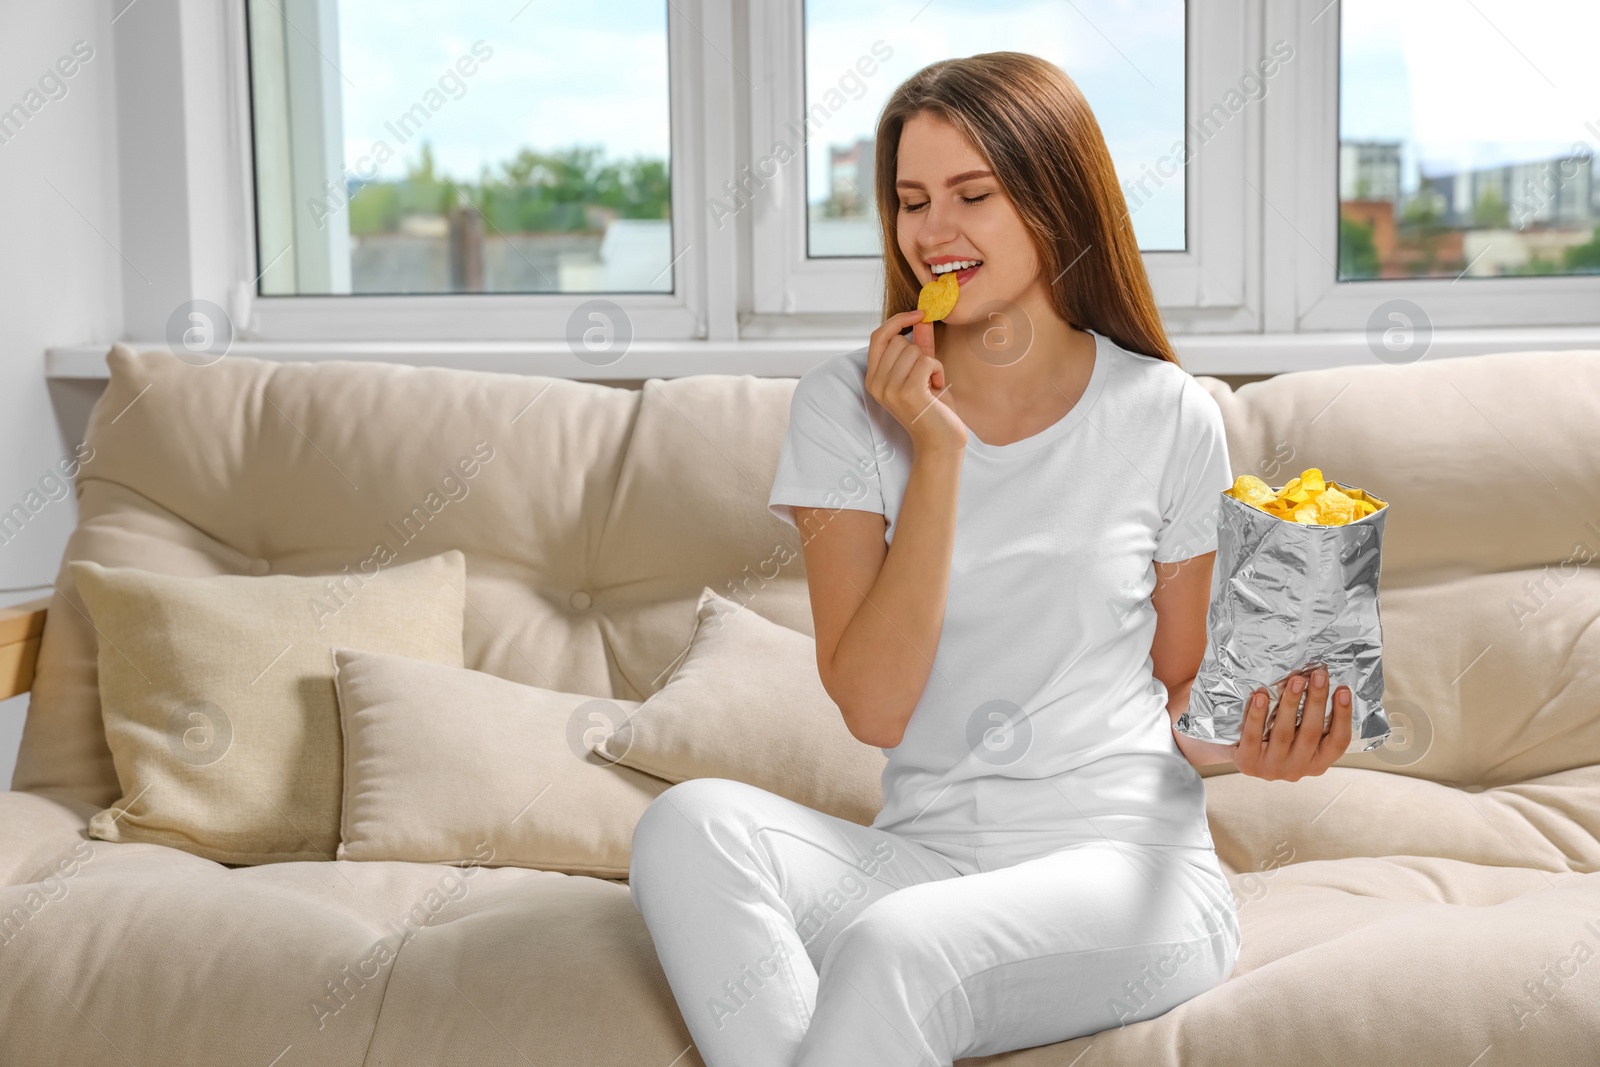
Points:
(1125, 55)
(1470, 83)
(1462, 82)
(558, 76)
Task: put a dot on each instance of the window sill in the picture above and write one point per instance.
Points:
(1209, 354)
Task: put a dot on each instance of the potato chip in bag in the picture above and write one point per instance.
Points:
(1294, 585)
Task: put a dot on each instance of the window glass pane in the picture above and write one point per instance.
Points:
(1467, 135)
(1127, 56)
(426, 146)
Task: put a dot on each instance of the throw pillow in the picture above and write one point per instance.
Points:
(444, 765)
(747, 704)
(218, 700)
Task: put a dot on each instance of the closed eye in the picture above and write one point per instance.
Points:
(964, 200)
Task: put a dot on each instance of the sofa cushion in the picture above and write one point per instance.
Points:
(143, 954)
(1551, 823)
(747, 704)
(590, 529)
(218, 698)
(1487, 461)
(1496, 676)
(445, 765)
(1396, 960)
(179, 961)
(37, 833)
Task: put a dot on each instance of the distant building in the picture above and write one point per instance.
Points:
(852, 173)
(1561, 193)
(1369, 170)
(1398, 255)
(1378, 216)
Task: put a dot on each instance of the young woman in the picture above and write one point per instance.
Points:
(1008, 523)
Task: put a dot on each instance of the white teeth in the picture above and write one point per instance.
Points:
(960, 264)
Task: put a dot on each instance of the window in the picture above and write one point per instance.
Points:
(1178, 89)
(686, 170)
(418, 147)
(1127, 58)
(1464, 139)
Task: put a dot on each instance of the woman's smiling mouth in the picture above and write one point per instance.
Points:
(964, 268)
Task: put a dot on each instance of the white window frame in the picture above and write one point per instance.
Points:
(679, 315)
(1254, 294)
(300, 138)
(1301, 184)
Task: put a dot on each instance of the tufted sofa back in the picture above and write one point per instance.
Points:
(596, 515)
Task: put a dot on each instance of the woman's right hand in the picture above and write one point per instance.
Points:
(906, 378)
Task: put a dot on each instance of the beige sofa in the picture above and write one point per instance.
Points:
(1435, 903)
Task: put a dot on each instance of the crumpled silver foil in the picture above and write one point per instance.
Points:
(1286, 597)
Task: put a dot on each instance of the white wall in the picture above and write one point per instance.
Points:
(60, 271)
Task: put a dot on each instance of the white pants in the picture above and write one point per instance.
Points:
(793, 938)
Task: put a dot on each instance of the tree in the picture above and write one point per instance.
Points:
(1584, 258)
(375, 208)
(560, 191)
(1490, 211)
(1421, 229)
(573, 189)
(1358, 256)
(1538, 264)
(425, 191)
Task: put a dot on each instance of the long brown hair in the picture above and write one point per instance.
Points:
(1042, 142)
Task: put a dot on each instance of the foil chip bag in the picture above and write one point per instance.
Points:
(1295, 586)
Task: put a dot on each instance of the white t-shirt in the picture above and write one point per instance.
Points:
(1041, 713)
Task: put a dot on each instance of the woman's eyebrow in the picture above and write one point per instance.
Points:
(953, 180)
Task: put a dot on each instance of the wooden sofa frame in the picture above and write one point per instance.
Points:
(21, 627)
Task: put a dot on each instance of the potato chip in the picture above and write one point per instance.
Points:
(1308, 499)
(938, 297)
(1335, 509)
(1250, 489)
(1365, 502)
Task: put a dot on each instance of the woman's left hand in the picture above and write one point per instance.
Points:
(1289, 752)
